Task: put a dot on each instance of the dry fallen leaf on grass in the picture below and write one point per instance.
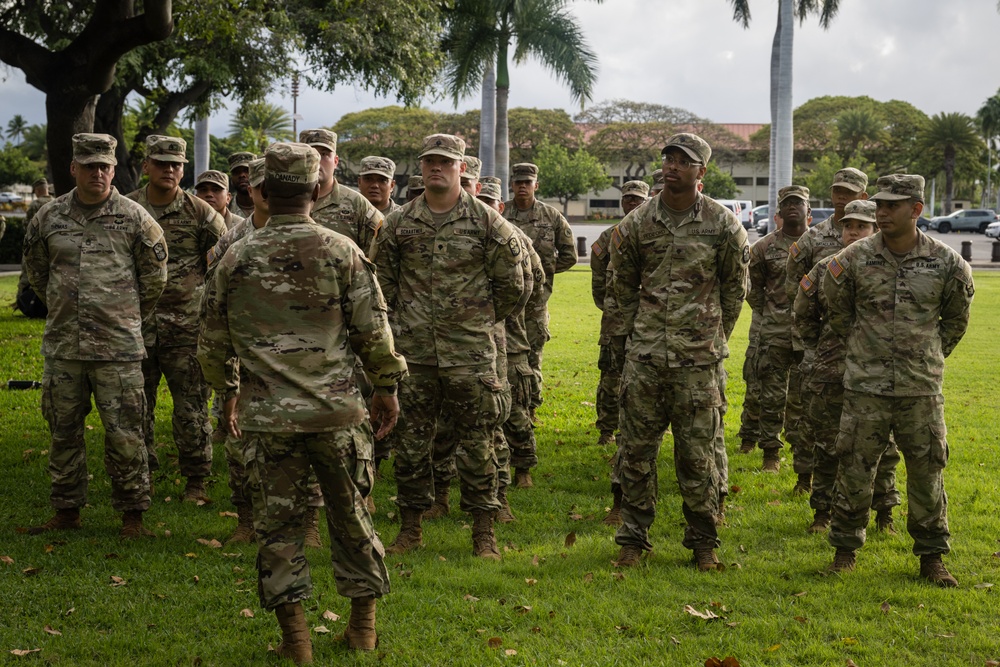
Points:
(576, 517)
(231, 515)
(675, 641)
(850, 663)
(196, 579)
(31, 571)
(535, 561)
(470, 598)
(19, 652)
(707, 615)
(772, 648)
(190, 555)
(947, 635)
(799, 594)
(849, 641)
(618, 576)
(321, 630)
(993, 663)
(885, 607)
(570, 540)
(523, 609)
(330, 616)
(801, 619)
(69, 611)
(531, 582)
(52, 631)
(246, 613)
(215, 544)
(536, 629)
(442, 558)
(589, 577)
(510, 651)
(494, 642)
(117, 581)
(730, 661)
(983, 585)
(49, 548)
(6, 560)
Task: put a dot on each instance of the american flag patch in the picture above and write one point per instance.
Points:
(836, 268)
(794, 250)
(597, 249)
(616, 238)
(805, 283)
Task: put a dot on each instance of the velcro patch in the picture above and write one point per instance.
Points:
(616, 238)
(515, 247)
(597, 250)
(836, 268)
(794, 250)
(806, 284)
(160, 251)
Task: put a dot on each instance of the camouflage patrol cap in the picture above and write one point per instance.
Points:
(256, 168)
(800, 191)
(850, 178)
(445, 145)
(635, 189)
(89, 148)
(241, 159)
(490, 179)
(319, 137)
(524, 171)
(695, 147)
(214, 177)
(658, 177)
(382, 166)
(166, 149)
(896, 187)
(415, 184)
(860, 209)
(40, 181)
(291, 163)
(473, 166)
(491, 191)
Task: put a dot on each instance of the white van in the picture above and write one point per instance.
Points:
(742, 208)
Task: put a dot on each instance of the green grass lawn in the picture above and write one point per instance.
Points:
(551, 601)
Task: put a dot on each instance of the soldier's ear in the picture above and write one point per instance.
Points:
(918, 208)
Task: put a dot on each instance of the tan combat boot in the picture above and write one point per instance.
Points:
(772, 461)
(410, 533)
(313, 540)
(194, 491)
(64, 519)
(614, 517)
(505, 515)
(821, 522)
(484, 543)
(606, 438)
(706, 560)
(803, 485)
(244, 533)
(295, 642)
(440, 507)
(747, 446)
(628, 556)
(843, 561)
(522, 478)
(360, 633)
(883, 522)
(132, 527)
(933, 570)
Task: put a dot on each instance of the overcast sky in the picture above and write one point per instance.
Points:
(939, 56)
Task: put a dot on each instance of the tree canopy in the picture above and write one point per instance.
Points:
(565, 176)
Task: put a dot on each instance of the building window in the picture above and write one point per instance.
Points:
(743, 180)
(762, 180)
(603, 203)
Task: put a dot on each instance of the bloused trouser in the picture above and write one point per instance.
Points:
(192, 430)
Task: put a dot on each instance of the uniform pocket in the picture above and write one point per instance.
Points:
(846, 435)
(938, 446)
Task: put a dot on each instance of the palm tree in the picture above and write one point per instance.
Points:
(988, 118)
(16, 127)
(481, 33)
(259, 123)
(782, 134)
(947, 135)
(859, 128)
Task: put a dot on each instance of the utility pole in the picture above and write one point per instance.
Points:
(295, 105)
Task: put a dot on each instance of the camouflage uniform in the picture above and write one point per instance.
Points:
(100, 270)
(447, 285)
(680, 286)
(33, 208)
(886, 309)
(750, 417)
(552, 239)
(613, 334)
(299, 403)
(192, 228)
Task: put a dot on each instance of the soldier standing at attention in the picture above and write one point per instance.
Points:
(376, 183)
(470, 177)
(451, 269)
(680, 265)
(191, 228)
(40, 189)
(25, 301)
(776, 369)
(99, 262)
(239, 172)
(552, 239)
(414, 187)
(212, 187)
(298, 401)
(339, 208)
(901, 299)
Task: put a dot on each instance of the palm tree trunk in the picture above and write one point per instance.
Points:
(784, 144)
(772, 174)
(949, 177)
(488, 123)
(502, 153)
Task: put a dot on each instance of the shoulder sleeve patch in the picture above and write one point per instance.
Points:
(806, 284)
(746, 254)
(597, 249)
(794, 250)
(616, 237)
(835, 267)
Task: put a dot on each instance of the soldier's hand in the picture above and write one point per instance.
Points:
(229, 416)
(384, 413)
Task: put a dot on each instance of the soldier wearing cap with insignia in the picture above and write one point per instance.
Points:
(340, 208)
(377, 182)
(99, 262)
(414, 187)
(297, 328)
(239, 172)
(552, 238)
(451, 268)
(470, 177)
(191, 228)
(212, 187)
(680, 277)
(901, 300)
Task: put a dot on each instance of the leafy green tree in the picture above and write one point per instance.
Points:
(634, 145)
(34, 145)
(718, 184)
(948, 137)
(819, 179)
(16, 168)
(860, 129)
(260, 123)
(988, 118)
(566, 176)
(16, 127)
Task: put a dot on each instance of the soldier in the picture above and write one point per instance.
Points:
(901, 299)
(680, 265)
(376, 183)
(301, 408)
(239, 172)
(40, 190)
(99, 261)
(191, 228)
(26, 301)
(414, 187)
(776, 369)
(470, 177)
(339, 208)
(212, 187)
(657, 186)
(552, 239)
(450, 268)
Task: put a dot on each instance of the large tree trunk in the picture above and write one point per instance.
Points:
(66, 115)
(108, 120)
(488, 124)
(949, 177)
(784, 144)
(502, 153)
(772, 175)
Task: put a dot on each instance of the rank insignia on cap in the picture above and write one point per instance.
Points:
(806, 284)
(794, 250)
(836, 268)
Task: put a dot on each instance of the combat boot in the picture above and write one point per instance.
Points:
(244, 533)
(64, 519)
(295, 643)
(132, 528)
(440, 507)
(194, 491)
(821, 522)
(803, 485)
(772, 461)
(313, 540)
(628, 556)
(522, 478)
(607, 438)
(410, 533)
(747, 446)
(706, 560)
(843, 561)
(484, 542)
(614, 517)
(883, 521)
(505, 515)
(933, 570)
(360, 633)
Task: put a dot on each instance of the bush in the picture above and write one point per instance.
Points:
(13, 239)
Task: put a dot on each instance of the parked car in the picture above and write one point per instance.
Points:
(10, 198)
(923, 224)
(735, 206)
(993, 230)
(821, 214)
(760, 212)
(967, 219)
